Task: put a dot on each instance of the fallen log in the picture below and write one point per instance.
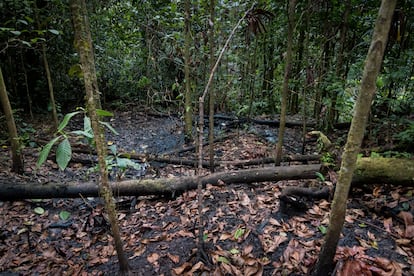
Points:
(160, 186)
(369, 170)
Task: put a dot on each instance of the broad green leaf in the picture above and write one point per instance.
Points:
(64, 215)
(16, 32)
(45, 152)
(63, 154)
(234, 251)
(109, 127)
(39, 210)
(101, 112)
(55, 32)
(66, 119)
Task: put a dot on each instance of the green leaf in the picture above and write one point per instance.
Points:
(16, 32)
(87, 127)
(239, 233)
(320, 176)
(82, 133)
(39, 210)
(112, 148)
(323, 229)
(26, 43)
(109, 127)
(101, 112)
(75, 71)
(222, 259)
(22, 21)
(55, 32)
(234, 251)
(66, 119)
(45, 152)
(63, 154)
(64, 215)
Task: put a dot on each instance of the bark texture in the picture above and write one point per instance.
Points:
(369, 170)
(17, 159)
(372, 67)
(83, 44)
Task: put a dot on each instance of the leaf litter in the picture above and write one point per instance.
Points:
(245, 232)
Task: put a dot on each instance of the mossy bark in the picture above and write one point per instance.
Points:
(372, 67)
(83, 43)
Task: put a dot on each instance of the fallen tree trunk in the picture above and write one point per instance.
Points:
(161, 186)
(369, 170)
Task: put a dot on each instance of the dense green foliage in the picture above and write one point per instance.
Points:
(139, 57)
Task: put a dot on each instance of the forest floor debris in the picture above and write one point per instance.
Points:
(245, 231)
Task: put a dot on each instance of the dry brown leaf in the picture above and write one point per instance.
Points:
(153, 258)
(180, 270)
(174, 258)
(388, 224)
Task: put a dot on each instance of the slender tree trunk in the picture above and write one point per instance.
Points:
(212, 95)
(26, 85)
(83, 43)
(339, 71)
(55, 120)
(356, 133)
(285, 88)
(17, 159)
(188, 110)
(306, 83)
(50, 85)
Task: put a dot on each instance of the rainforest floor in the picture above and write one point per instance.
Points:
(245, 229)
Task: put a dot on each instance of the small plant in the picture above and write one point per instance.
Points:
(327, 158)
(64, 149)
(118, 164)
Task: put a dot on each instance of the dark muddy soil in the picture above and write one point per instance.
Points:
(245, 232)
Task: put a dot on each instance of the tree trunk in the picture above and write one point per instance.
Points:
(188, 110)
(212, 98)
(83, 43)
(285, 89)
(55, 120)
(372, 67)
(17, 159)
